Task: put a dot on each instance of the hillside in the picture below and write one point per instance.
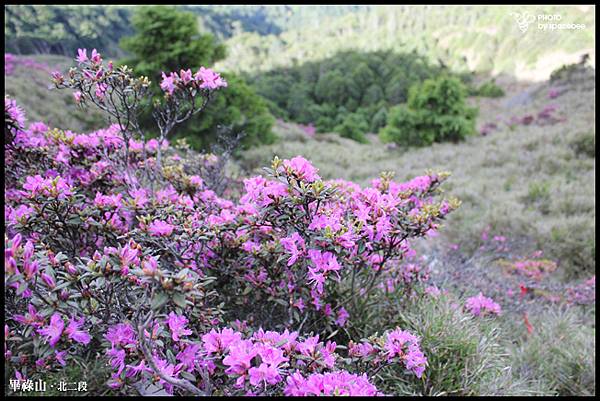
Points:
(532, 183)
(27, 79)
(464, 38)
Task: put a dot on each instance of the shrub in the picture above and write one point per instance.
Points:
(435, 112)
(344, 84)
(115, 246)
(584, 144)
(487, 89)
(354, 127)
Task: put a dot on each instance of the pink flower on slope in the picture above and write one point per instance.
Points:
(160, 228)
(186, 76)
(215, 342)
(342, 317)
(480, 305)
(121, 334)
(177, 326)
(54, 330)
(14, 111)
(239, 360)
(96, 59)
(271, 356)
(75, 334)
(406, 346)
(332, 383)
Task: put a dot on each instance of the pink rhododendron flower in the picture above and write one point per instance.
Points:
(302, 169)
(342, 316)
(95, 58)
(160, 228)
(209, 79)
(54, 330)
(121, 334)
(186, 76)
(168, 83)
(73, 332)
(265, 373)
(177, 326)
(480, 305)
(291, 244)
(82, 56)
(333, 383)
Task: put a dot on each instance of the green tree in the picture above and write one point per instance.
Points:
(436, 112)
(354, 127)
(167, 39)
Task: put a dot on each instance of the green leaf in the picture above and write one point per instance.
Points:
(179, 300)
(188, 376)
(158, 301)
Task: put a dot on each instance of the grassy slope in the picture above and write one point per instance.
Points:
(35, 93)
(530, 183)
(476, 38)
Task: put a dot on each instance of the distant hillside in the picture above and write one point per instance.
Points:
(27, 79)
(485, 39)
(259, 38)
(57, 29)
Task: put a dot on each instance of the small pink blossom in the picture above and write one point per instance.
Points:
(160, 228)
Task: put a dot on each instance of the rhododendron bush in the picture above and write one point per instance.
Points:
(117, 246)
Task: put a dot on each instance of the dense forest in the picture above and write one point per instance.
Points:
(351, 88)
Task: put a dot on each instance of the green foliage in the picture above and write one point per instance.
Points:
(436, 112)
(487, 89)
(167, 39)
(43, 29)
(237, 108)
(327, 92)
(584, 144)
(354, 127)
(561, 352)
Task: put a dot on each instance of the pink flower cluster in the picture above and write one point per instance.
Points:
(480, 305)
(334, 383)
(204, 78)
(583, 293)
(264, 362)
(14, 112)
(11, 61)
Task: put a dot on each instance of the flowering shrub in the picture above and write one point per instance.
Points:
(11, 61)
(530, 268)
(480, 305)
(583, 293)
(100, 258)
